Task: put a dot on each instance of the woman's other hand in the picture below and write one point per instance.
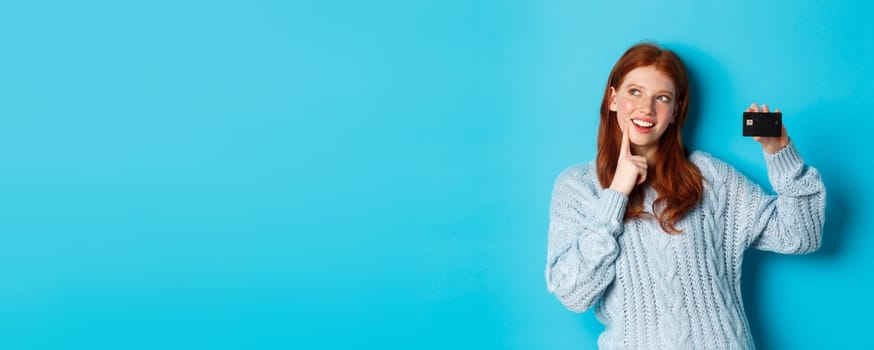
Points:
(630, 169)
(771, 145)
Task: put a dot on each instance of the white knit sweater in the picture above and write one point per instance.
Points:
(654, 290)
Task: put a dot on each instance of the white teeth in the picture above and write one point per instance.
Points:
(642, 123)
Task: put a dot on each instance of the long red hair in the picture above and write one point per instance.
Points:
(677, 181)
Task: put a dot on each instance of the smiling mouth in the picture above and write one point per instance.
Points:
(642, 124)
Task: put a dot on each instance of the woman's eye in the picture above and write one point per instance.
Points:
(664, 98)
(634, 92)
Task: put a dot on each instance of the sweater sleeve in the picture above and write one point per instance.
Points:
(583, 226)
(790, 222)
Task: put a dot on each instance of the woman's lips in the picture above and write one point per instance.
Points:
(642, 129)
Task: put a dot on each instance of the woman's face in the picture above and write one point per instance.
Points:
(645, 102)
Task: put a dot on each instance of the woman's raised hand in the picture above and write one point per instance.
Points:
(630, 169)
(770, 144)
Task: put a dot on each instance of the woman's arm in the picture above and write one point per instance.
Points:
(790, 222)
(582, 247)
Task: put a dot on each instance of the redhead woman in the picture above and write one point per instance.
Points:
(651, 236)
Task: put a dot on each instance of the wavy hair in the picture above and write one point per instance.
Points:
(677, 181)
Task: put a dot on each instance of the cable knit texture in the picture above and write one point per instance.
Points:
(653, 290)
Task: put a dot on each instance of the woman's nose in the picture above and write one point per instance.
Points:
(645, 106)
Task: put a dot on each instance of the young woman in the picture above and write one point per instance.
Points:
(652, 237)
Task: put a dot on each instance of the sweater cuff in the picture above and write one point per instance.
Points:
(784, 161)
(784, 165)
(611, 208)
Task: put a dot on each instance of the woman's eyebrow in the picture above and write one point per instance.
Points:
(644, 87)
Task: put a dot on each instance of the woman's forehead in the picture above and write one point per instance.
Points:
(650, 78)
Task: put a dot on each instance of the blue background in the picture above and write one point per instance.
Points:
(278, 175)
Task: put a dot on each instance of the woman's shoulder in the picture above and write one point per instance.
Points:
(712, 168)
(705, 161)
(579, 173)
(582, 178)
(579, 176)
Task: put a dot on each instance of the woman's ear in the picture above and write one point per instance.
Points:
(613, 107)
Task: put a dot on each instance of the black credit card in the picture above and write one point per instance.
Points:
(763, 124)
